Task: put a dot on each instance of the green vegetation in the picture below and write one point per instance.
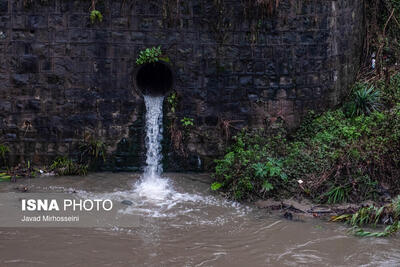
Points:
(248, 170)
(95, 15)
(149, 55)
(338, 194)
(371, 216)
(65, 166)
(3, 153)
(4, 176)
(337, 156)
(93, 149)
(365, 100)
(92, 152)
(179, 128)
(172, 100)
(187, 122)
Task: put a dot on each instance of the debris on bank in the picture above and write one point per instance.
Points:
(367, 219)
(14, 173)
(306, 207)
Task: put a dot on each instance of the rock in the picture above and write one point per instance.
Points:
(245, 80)
(22, 189)
(253, 97)
(20, 80)
(33, 105)
(321, 210)
(288, 215)
(302, 207)
(369, 203)
(126, 202)
(346, 208)
(11, 136)
(5, 106)
(37, 21)
(28, 64)
(268, 204)
(4, 6)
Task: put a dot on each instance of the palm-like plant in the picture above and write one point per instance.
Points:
(365, 101)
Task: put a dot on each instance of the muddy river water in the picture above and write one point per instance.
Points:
(183, 223)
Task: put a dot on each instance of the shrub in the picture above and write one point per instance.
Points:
(370, 216)
(65, 166)
(149, 55)
(365, 100)
(338, 158)
(93, 148)
(390, 91)
(338, 194)
(248, 171)
(92, 152)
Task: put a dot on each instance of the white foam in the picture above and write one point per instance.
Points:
(153, 188)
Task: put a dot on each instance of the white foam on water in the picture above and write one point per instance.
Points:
(154, 189)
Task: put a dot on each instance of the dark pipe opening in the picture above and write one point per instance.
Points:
(154, 79)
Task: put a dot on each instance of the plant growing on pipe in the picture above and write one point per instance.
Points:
(149, 55)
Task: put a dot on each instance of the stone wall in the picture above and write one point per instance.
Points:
(62, 77)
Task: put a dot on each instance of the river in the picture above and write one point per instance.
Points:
(191, 226)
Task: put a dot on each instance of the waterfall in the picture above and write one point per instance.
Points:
(152, 185)
(154, 194)
(154, 130)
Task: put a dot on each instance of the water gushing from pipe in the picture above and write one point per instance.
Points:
(152, 185)
(154, 130)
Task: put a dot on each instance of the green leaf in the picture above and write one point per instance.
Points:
(344, 217)
(284, 176)
(149, 55)
(215, 186)
(260, 170)
(267, 186)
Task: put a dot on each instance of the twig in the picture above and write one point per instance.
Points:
(395, 19)
(387, 22)
(384, 34)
